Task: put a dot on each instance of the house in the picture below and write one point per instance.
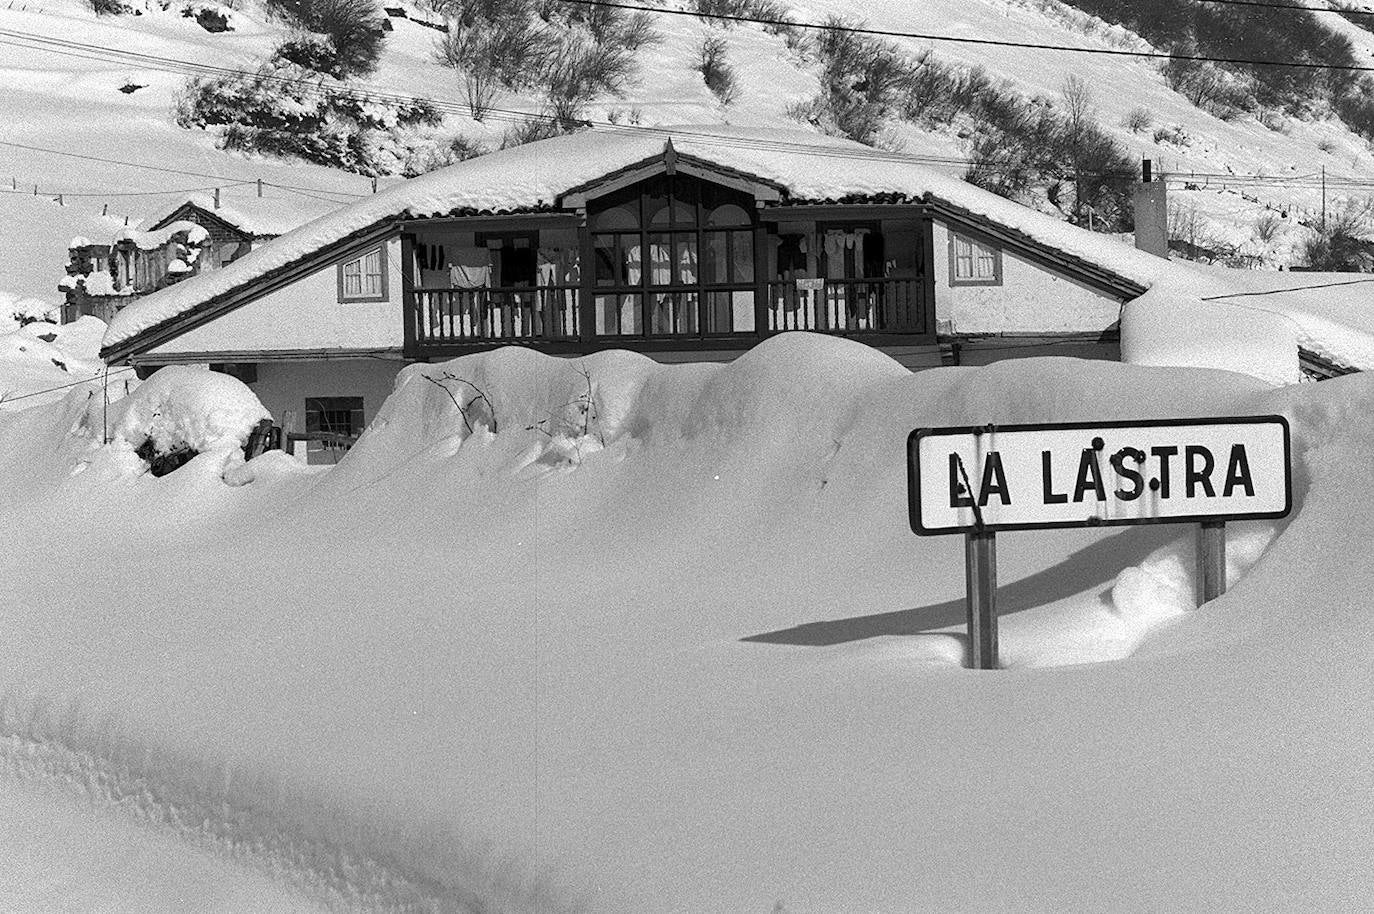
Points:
(197, 236)
(682, 243)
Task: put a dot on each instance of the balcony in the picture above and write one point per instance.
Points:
(447, 321)
(848, 306)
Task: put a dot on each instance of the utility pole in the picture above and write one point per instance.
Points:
(216, 198)
(259, 187)
(1323, 199)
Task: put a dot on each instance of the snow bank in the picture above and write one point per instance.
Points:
(16, 309)
(1167, 327)
(707, 666)
(40, 362)
(181, 407)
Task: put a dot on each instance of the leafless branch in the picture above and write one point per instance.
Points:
(480, 396)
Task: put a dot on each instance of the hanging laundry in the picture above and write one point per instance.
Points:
(470, 268)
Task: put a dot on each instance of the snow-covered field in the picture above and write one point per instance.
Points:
(682, 653)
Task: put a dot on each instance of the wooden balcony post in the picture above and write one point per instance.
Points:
(586, 305)
(410, 311)
(761, 270)
(925, 314)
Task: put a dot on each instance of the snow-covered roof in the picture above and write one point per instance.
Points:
(151, 240)
(1331, 314)
(261, 217)
(807, 166)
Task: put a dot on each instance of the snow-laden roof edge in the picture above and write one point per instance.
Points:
(810, 167)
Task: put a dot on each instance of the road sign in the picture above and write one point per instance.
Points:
(977, 480)
(1082, 474)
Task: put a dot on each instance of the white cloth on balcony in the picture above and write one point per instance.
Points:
(470, 268)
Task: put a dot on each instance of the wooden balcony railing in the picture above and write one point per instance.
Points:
(552, 313)
(848, 306)
(470, 315)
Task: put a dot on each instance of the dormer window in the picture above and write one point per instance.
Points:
(364, 278)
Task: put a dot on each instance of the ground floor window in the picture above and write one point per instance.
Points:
(332, 424)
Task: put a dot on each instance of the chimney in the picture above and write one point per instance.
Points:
(1151, 214)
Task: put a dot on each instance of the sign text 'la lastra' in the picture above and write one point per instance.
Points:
(1085, 474)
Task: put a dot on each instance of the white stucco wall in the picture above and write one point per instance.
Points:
(304, 315)
(1030, 299)
(283, 386)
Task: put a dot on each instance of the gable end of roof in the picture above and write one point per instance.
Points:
(248, 291)
(1072, 265)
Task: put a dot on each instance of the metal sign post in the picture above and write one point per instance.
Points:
(1211, 560)
(980, 577)
(978, 480)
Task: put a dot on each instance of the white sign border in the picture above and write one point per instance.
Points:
(914, 479)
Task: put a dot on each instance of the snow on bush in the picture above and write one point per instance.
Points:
(16, 311)
(181, 411)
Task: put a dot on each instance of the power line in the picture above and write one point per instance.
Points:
(981, 42)
(35, 393)
(1261, 4)
(1320, 285)
(230, 181)
(139, 193)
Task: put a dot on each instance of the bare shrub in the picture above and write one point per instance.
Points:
(1138, 120)
(715, 70)
(778, 15)
(936, 92)
(534, 128)
(491, 52)
(1344, 242)
(1172, 133)
(457, 149)
(311, 52)
(1209, 87)
(573, 53)
(1326, 144)
(1021, 145)
(579, 71)
(352, 26)
(1192, 237)
(1266, 228)
(863, 80)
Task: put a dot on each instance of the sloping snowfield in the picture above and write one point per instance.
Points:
(682, 653)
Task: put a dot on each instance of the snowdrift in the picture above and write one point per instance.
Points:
(605, 634)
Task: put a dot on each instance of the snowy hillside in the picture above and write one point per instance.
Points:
(105, 87)
(679, 651)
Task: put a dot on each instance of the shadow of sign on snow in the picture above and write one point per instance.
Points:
(1089, 567)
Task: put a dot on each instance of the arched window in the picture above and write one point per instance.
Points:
(673, 256)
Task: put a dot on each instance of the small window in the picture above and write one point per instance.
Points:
(334, 415)
(972, 263)
(364, 278)
(332, 424)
